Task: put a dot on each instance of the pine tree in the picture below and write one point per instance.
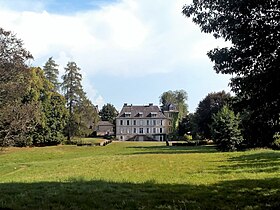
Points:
(51, 72)
(73, 92)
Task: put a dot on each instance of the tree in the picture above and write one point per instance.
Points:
(225, 130)
(209, 106)
(253, 58)
(16, 116)
(177, 98)
(73, 90)
(51, 73)
(108, 113)
(51, 106)
(87, 116)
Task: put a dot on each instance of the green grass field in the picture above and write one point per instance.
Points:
(138, 176)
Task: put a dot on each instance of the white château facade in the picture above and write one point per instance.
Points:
(142, 123)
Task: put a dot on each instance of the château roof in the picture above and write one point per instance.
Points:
(144, 111)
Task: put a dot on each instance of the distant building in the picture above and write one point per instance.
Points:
(143, 123)
(104, 128)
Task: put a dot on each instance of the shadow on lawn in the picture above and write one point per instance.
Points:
(172, 149)
(78, 194)
(257, 162)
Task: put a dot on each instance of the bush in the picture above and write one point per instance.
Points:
(225, 130)
(188, 137)
(276, 141)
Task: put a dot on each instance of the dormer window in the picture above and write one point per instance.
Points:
(140, 114)
(127, 114)
(153, 114)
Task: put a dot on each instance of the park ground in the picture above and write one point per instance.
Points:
(134, 175)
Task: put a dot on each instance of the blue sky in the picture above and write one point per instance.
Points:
(129, 51)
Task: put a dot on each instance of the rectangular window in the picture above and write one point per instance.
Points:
(134, 122)
(141, 130)
(127, 122)
(154, 122)
(161, 122)
(154, 130)
(148, 122)
(134, 130)
(121, 122)
(148, 130)
(160, 130)
(141, 122)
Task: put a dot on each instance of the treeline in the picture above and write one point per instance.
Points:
(35, 109)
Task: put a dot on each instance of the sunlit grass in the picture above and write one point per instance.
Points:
(150, 170)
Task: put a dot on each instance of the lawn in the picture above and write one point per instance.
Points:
(132, 175)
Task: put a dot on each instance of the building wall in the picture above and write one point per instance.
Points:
(154, 128)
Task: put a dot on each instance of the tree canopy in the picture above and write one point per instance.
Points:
(108, 113)
(51, 72)
(253, 28)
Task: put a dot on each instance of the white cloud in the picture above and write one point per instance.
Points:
(130, 38)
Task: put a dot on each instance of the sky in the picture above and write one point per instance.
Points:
(129, 51)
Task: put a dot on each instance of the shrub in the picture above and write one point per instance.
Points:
(225, 130)
(188, 137)
(276, 141)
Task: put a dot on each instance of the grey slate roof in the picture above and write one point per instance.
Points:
(147, 111)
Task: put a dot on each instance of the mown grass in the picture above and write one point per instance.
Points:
(131, 175)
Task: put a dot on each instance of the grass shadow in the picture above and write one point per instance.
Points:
(258, 162)
(79, 194)
(172, 149)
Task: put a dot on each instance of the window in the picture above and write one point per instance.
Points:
(154, 122)
(141, 130)
(127, 122)
(148, 130)
(148, 122)
(121, 122)
(134, 130)
(127, 130)
(121, 137)
(127, 114)
(160, 130)
(154, 130)
(134, 122)
(141, 122)
(161, 122)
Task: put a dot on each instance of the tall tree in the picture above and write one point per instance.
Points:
(253, 58)
(108, 113)
(210, 105)
(73, 91)
(177, 98)
(51, 72)
(226, 130)
(16, 116)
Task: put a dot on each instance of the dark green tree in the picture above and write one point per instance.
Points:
(225, 130)
(108, 113)
(253, 58)
(209, 106)
(16, 116)
(87, 116)
(51, 72)
(73, 92)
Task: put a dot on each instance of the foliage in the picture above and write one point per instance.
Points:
(225, 130)
(187, 126)
(253, 58)
(276, 141)
(205, 111)
(51, 73)
(177, 98)
(86, 115)
(108, 113)
(17, 116)
(73, 92)
(138, 175)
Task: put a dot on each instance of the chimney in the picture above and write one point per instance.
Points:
(125, 105)
(151, 104)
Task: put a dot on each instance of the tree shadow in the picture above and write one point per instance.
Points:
(256, 163)
(171, 149)
(79, 194)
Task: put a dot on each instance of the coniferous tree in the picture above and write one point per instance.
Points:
(73, 92)
(51, 72)
(108, 113)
